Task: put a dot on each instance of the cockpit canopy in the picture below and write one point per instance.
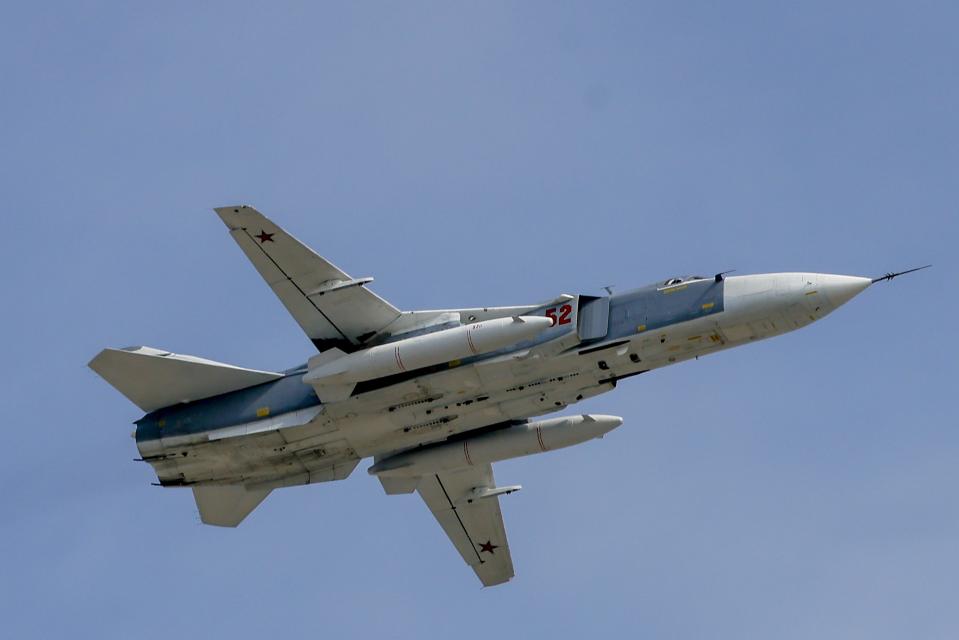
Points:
(681, 279)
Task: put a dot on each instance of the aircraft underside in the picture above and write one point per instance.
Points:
(433, 397)
(329, 444)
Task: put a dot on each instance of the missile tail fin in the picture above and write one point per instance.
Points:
(334, 392)
(325, 358)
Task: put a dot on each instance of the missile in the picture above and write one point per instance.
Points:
(333, 367)
(503, 444)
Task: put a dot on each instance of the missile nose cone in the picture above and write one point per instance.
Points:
(537, 323)
(601, 424)
(528, 327)
(841, 289)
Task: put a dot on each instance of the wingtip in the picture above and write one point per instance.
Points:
(230, 214)
(95, 360)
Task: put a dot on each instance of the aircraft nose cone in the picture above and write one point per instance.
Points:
(841, 289)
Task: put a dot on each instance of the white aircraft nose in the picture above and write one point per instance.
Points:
(840, 289)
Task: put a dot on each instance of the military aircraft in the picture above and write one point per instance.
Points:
(434, 397)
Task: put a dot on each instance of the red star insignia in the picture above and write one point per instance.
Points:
(488, 547)
(264, 236)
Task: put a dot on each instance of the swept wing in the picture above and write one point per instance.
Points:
(474, 524)
(333, 308)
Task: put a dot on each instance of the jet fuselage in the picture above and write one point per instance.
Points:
(593, 343)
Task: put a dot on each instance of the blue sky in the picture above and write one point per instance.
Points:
(483, 154)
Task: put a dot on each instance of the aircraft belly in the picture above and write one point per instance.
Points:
(448, 403)
(302, 455)
(675, 343)
(400, 416)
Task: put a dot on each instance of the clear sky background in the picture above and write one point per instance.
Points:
(483, 154)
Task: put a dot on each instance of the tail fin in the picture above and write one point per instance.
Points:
(153, 379)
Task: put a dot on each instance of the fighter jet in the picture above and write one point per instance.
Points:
(433, 397)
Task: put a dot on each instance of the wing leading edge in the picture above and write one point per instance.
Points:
(334, 309)
(474, 524)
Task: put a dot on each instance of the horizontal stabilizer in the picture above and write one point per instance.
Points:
(227, 505)
(153, 379)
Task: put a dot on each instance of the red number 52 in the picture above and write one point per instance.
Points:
(564, 313)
